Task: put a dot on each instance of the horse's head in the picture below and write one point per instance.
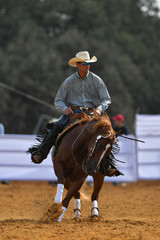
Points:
(100, 145)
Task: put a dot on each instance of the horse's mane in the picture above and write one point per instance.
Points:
(103, 122)
(99, 122)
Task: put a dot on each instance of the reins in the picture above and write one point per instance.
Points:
(76, 141)
(133, 139)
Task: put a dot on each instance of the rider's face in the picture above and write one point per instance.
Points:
(118, 123)
(82, 68)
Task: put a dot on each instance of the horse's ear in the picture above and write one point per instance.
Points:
(118, 133)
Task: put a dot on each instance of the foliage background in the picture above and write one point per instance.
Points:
(38, 37)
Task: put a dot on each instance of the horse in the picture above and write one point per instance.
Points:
(80, 153)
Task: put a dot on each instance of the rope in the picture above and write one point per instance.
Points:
(12, 89)
(76, 141)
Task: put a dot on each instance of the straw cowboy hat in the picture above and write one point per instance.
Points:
(82, 56)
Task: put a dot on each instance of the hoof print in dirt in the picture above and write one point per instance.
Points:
(78, 219)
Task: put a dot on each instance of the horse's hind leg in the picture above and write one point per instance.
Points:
(98, 182)
(77, 206)
(73, 189)
(77, 201)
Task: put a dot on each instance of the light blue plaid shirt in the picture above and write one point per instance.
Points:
(89, 92)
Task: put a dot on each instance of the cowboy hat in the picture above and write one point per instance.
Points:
(82, 56)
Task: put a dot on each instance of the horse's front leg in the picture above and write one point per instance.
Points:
(59, 171)
(98, 182)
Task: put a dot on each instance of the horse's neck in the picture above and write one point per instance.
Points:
(88, 133)
(80, 143)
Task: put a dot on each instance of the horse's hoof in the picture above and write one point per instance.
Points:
(94, 218)
(95, 212)
(77, 215)
(78, 219)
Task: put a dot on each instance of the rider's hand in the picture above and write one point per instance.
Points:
(97, 112)
(68, 111)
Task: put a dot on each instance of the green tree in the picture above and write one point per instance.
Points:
(37, 38)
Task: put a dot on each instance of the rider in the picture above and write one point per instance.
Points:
(82, 91)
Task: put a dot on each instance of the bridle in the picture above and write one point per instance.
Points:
(95, 144)
(91, 149)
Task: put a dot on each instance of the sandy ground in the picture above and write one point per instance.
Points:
(131, 212)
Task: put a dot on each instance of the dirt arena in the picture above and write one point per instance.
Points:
(131, 212)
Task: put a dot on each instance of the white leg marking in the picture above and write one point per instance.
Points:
(77, 203)
(94, 208)
(102, 155)
(106, 148)
(58, 197)
(77, 207)
(61, 216)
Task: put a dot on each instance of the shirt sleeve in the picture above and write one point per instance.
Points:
(60, 98)
(105, 99)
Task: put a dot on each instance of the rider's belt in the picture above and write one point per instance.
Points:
(84, 109)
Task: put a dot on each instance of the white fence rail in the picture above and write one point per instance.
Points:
(15, 164)
(148, 154)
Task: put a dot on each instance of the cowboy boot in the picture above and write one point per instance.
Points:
(107, 171)
(39, 155)
(51, 133)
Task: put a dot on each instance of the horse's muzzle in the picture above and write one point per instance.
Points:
(91, 168)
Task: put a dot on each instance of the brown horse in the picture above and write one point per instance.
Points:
(79, 155)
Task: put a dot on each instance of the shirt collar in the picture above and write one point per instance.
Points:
(80, 77)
